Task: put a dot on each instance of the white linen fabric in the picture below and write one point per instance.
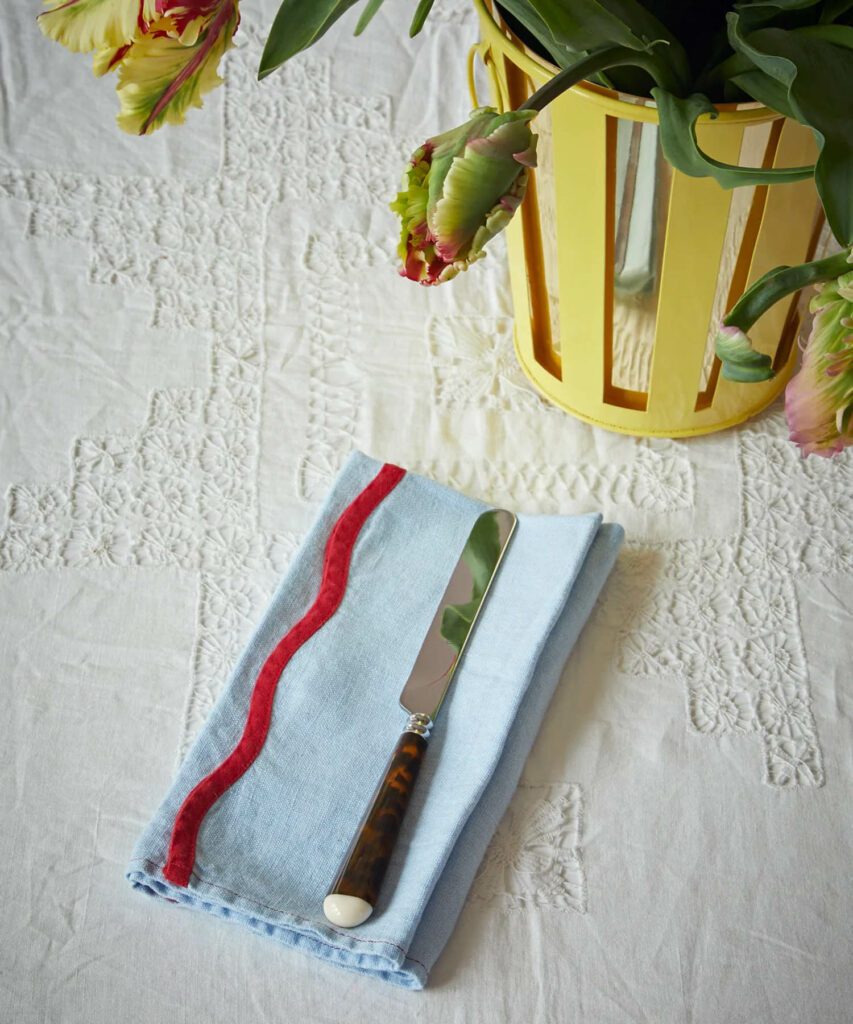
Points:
(196, 329)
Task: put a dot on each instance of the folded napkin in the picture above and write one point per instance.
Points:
(272, 791)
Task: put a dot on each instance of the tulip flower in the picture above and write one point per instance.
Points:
(740, 360)
(819, 399)
(460, 190)
(165, 51)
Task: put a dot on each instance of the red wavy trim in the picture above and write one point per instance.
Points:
(339, 548)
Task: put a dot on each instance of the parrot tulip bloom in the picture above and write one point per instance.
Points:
(166, 51)
(819, 399)
(460, 190)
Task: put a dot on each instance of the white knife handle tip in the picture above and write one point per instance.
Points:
(346, 911)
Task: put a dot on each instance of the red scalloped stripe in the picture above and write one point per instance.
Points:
(339, 548)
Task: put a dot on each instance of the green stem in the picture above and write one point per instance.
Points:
(601, 60)
(784, 281)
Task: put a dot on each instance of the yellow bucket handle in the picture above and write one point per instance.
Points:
(485, 53)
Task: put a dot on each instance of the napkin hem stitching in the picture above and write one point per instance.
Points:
(298, 917)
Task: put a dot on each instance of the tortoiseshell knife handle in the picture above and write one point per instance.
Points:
(353, 894)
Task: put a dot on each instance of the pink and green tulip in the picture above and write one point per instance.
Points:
(460, 190)
(166, 51)
(819, 399)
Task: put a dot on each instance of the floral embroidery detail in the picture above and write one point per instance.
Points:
(45, 506)
(27, 550)
(333, 329)
(102, 499)
(175, 409)
(686, 610)
(168, 543)
(333, 407)
(792, 762)
(103, 456)
(534, 858)
(168, 498)
(767, 555)
(783, 536)
(549, 488)
(473, 361)
(708, 656)
(106, 547)
(715, 710)
(783, 710)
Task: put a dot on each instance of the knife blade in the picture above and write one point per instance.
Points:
(353, 893)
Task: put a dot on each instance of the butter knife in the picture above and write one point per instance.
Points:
(353, 894)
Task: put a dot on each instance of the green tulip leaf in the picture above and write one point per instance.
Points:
(767, 90)
(833, 9)
(841, 35)
(421, 15)
(367, 15)
(562, 53)
(678, 140)
(815, 66)
(588, 25)
(298, 25)
(764, 11)
(568, 31)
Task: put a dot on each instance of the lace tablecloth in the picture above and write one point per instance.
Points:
(197, 327)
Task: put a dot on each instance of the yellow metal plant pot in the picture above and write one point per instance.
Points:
(621, 267)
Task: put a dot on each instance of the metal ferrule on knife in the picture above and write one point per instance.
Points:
(420, 724)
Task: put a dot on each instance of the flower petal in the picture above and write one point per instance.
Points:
(819, 398)
(478, 178)
(84, 25)
(161, 79)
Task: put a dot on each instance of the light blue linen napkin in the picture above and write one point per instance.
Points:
(269, 847)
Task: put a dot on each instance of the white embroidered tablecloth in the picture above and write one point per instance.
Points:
(196, 328)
